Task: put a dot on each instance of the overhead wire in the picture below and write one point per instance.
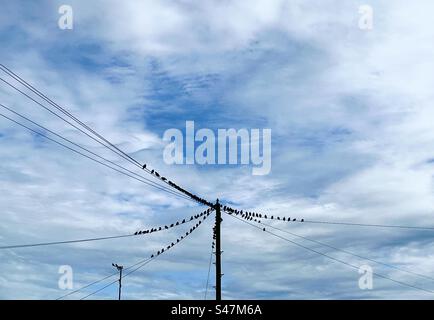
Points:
(91, 152)
(333, 258)
(346, 251)
(154, 229)
(137, 266)
(93, 159)
(107, 143)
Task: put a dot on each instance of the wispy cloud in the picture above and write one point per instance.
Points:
(351, 117)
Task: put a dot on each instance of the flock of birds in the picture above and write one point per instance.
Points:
(253, 215)
(202, 216)
(177, 223)
(174, 185)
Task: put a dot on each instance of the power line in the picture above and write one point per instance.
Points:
(138, 266)
(209, 269)
(63, 242)
(298, 220)
(64, 111)
(348, 252)
(333, 258)
(154, 229)
(91, 152)
(93, 159)
(60, 117)
(100, 280)
(110, 146)
(370, 225)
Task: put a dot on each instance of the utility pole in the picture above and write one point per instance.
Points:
(218, 263)
(119, 268)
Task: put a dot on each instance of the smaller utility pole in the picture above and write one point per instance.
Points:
(120, 268)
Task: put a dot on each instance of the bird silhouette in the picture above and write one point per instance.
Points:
(159, 228)
(152, 256)
(302, 220)
(183, 221)
(144, 166)
(171, 225)
(135, 233)
(263, 229)
(166, 227)
(294, 219)
(272, 217)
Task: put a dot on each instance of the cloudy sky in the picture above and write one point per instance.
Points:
(352, 140)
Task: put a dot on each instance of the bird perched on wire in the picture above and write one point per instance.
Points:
(144, 166)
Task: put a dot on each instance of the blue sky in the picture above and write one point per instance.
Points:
(351, 118)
